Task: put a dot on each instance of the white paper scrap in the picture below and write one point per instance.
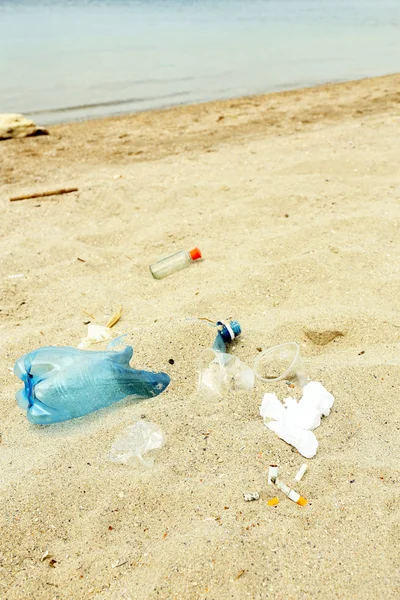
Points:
(294, 421)
(96, 334)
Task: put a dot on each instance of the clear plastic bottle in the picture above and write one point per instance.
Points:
(174, 263)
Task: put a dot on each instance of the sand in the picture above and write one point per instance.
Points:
(294, 200)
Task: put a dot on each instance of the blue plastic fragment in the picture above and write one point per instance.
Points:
(62, 383)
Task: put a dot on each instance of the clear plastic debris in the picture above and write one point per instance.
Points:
(138, 444)
(174, 263)
(280, 362)
(221, 372)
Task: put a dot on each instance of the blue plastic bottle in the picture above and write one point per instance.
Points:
(62, 383)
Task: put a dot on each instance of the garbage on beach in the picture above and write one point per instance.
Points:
(301, 472)
(290, 493)
(273, 473)
(174, 263)
(96, 334)
(294, 421)
(100, 333)
(280, 362)
(62, 383)
(251, 496)
(221, 372)
(137, 442)
(273, 501)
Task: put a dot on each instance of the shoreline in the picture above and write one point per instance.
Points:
(326, 91)
(285, 88)
(157, 134)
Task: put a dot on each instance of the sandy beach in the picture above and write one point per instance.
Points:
(294, 200)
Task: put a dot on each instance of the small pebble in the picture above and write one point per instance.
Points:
(251, 496)
(171, 361)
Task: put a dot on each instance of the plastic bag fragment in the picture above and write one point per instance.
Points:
(62, 383)
(138, 440)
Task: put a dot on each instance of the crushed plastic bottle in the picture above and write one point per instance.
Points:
(174, 263)
(221, 372)
(62, 383)
(138, 439)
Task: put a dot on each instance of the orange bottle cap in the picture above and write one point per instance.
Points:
(195, 254)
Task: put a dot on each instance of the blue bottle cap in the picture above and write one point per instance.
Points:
(229, 331)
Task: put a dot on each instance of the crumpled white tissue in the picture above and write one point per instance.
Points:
(294, 421)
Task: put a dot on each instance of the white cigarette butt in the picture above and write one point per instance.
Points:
(291, 494)
(273, 473)
(301, 472)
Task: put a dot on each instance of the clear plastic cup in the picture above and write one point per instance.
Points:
(280, 362)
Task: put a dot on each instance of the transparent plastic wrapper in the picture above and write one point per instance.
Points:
(138, 440)
(62, 383)
(221, 372)
(280, 362)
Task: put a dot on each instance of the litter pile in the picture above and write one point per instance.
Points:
(285, 489)
(62, 383)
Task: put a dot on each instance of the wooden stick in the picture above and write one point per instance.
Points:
(115, 318)
(42, 194)
(89, 315)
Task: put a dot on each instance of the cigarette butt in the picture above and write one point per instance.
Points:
(273, 473)
(301, 472)
(283, 487)
(291, 494)
(273, 501)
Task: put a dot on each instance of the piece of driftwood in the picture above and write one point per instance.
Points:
(42, 194)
